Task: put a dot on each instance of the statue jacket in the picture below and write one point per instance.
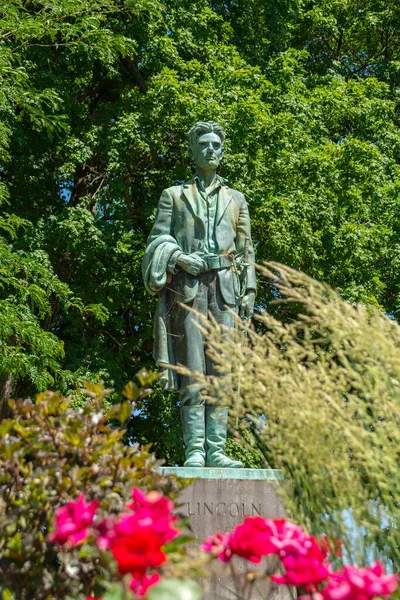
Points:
(180, 216)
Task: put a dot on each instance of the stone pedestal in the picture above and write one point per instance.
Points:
(218, 500)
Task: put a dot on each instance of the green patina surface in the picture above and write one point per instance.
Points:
(215, 473)
(200, 256)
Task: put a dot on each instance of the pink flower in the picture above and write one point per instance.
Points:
(290, 539)
(219, 546)
(354, 583)
(153, 501)
(105, 530)
(140, 586)
(73, 520)
(302, 571)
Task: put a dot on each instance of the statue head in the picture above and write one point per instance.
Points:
(206, 144)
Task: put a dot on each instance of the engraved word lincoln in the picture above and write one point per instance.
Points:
(199, 255)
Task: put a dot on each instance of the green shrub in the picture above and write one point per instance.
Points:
(49, 454)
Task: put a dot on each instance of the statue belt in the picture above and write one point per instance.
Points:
(215, 262)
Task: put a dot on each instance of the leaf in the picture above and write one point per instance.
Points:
(175, 589)
(131, 391)
(5, 427)
(178, 542)
(146, 377)
(93, 390)
(125, 411)
(115, 593)
(120, 412)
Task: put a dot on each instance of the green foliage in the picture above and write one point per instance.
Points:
(241, 446)
(158, 421)
(322, 396)
(95, 100)
(49, 454)
(29, 291)
(176, 589)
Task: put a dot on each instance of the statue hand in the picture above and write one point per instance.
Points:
(191, 263)
(247, 305)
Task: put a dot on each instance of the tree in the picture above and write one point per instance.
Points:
(95, 102)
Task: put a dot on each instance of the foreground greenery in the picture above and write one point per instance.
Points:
(95, 100)
(52, 454)
(321, 394)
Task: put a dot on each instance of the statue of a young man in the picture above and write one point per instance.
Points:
(200, 255)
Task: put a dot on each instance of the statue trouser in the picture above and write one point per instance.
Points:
(204, 426)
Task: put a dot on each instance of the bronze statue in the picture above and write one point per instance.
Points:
(199, 255)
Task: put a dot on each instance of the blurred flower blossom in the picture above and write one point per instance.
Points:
(302, 571)
(137, 552)
(352, 583)
(105, 530)
(219, 546)
(73, 520)
(140, 586)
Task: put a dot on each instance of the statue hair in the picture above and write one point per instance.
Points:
(202, 127)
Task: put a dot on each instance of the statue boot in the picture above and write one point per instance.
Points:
(193, 425)
(216, 430)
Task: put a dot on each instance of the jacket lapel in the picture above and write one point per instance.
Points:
(193, 199)
(224, 200)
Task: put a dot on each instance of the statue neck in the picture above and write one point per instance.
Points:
(206, 177)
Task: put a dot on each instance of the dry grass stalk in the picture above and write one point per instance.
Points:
(323, 391)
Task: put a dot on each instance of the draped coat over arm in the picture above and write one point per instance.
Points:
(180, 219)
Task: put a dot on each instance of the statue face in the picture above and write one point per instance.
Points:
(207, 151)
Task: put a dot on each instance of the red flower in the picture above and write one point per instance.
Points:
(252, 539)
(152, 510)
(354, 583)
(140, 586)
(139, 536)
(73, 520)
(138, 552)
(219, 546)
(257, 537)
(334, 549)
(161, 526)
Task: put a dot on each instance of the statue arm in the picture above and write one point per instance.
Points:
(243, 233)
(173, 265)
(163, 223)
